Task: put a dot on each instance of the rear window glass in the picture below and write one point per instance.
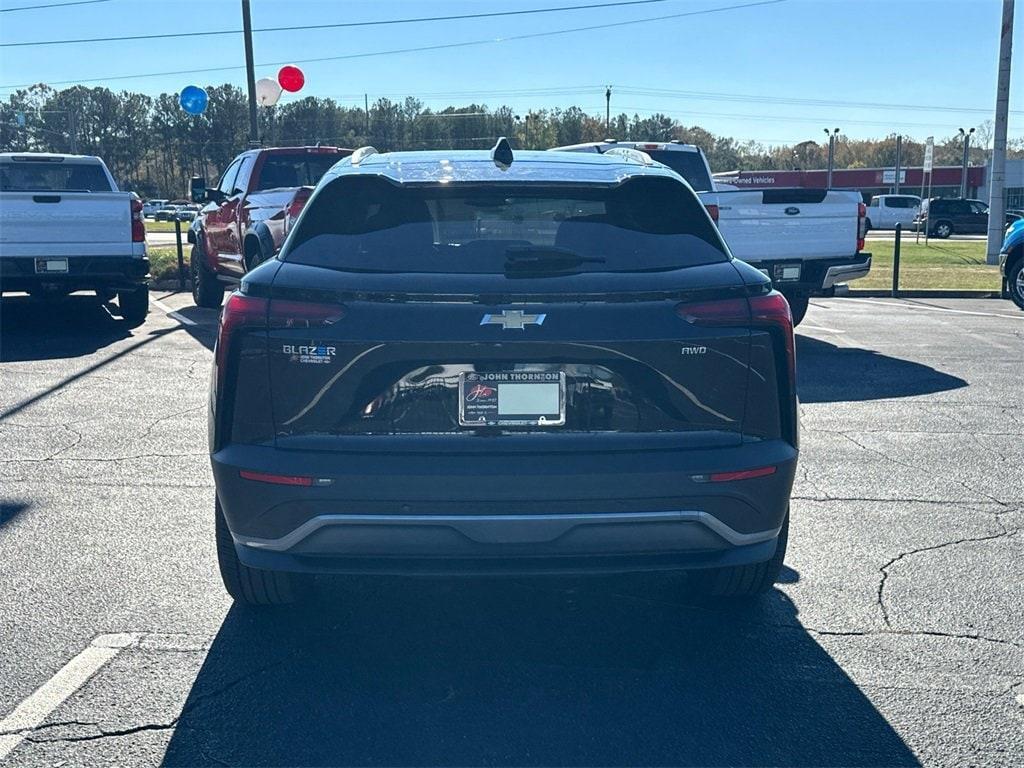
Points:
(35, 176)
(371, 225)
(294, 170)
(687, 164)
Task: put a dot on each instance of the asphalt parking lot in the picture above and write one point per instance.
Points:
(897, 637)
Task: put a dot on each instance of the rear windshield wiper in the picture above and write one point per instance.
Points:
(530, 260)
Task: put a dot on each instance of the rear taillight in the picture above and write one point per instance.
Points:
(725, 312)
(138, 222)
(291, 213)
(771, 312)
(303, 314)
(239, 313)
(712, 211)
(862, 225)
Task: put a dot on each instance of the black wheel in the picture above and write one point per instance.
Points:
(250, 585)
(105, 295)
(254, 255)
(1015, 282)
(867, 225)
(942, 230)
(798, 306)
(133, 305)
(206, 290)
(744, 580)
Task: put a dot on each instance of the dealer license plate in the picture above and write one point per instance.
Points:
(51, 266)
(512, 399)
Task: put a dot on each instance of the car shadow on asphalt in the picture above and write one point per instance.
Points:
(625, 671)
(73, 327)
(828, 373)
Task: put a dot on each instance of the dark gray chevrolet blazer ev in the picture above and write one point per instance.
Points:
(483, 362)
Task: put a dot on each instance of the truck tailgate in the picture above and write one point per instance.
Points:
(765, 224)
(65, 224)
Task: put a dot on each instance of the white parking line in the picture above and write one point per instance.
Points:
(809, 327)
(169, 311)
(908, 305)
(36, 708)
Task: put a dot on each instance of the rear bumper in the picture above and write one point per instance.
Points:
(18, 273)
(621, 512)
(818, 277)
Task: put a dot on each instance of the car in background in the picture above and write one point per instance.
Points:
(150, 207)
(1011, 261)
(167, 213)
(249, 212)
(65, 227)
(187, 212)
(956, 216)
(484, 362)
(806, 240)
(886, 211)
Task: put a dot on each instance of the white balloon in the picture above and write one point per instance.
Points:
(268, 91)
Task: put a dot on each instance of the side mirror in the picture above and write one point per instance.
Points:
(197, 189)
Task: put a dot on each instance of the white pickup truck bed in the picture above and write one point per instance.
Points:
(806, 240)
(65, 227)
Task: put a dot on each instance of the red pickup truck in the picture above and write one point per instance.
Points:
(249, 212)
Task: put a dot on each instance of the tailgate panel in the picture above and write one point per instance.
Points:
(65, 223)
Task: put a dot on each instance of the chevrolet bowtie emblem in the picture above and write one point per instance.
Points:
(512, 319)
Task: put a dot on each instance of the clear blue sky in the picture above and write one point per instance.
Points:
(936, 56)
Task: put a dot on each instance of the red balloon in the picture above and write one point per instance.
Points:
(291, 78)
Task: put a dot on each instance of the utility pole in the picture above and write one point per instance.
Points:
(73, 130)
(608, 112)
(250, 74)
(831, 154)
(899, 152)
(997, 200)
(963, 173)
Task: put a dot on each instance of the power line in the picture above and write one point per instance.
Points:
(419, 49)
(341, 25)
(51, 5)
(755, 98)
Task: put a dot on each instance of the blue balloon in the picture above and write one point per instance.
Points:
(193, 99)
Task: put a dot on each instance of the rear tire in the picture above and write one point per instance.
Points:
(1015, 282)
(798, 306)
(744, 580)
(250, 585)
(206, 290)
(133, 306)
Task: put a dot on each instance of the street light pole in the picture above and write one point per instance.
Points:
(250, 74)
(963, 173)
(831, 154)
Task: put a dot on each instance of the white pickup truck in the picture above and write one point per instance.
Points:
(806, 240)
(65, 227)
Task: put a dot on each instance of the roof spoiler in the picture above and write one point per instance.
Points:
(362, 153)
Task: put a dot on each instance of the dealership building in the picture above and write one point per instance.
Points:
(945, 181)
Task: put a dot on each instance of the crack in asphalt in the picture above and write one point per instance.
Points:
(153, 424)
(102, 733)
(103, 458)
(880, 596)
(917, 468)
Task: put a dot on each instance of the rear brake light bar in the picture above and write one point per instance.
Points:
(263, 477)
(300, 480)
(728, 477)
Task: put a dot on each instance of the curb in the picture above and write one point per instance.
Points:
(842, 290)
